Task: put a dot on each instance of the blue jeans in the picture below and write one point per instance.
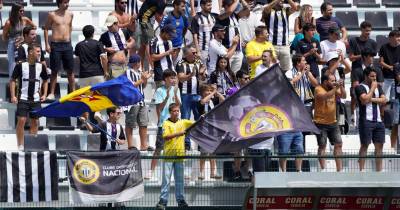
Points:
(11, 56)
(290, 143)
(168, 168)
(189, 104)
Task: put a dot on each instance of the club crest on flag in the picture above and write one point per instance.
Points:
(86, 171)
(264, 118)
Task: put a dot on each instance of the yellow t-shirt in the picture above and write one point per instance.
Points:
(324, 110)
(254, 48)
(175, 146)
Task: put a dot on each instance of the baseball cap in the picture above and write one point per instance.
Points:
(218, 27)
(111, 19)
(170, 29)
(134, 58)
(332, 55)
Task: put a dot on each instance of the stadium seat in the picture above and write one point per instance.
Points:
(42, 18)
(339, 3)
(349, 18)
(8, 142)
(27, 14)
(381, 40)
(378, 20)
(11, 2)
(43, 3)
(68, 142)
(3, 66)
(59, 123)
(366, 3)
(396, 20)
(4, 124)
(3, 46)
(93, 142)
(37, 142)
(391, 3)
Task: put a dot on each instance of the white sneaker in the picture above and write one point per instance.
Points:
(323, 170)
(21, 147)
(51, 96)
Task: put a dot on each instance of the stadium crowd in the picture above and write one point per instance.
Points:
(234, 41)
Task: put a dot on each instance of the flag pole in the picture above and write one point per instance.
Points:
(100, 129)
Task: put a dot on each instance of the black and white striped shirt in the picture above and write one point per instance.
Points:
(371, 111)
(135, 76)
(232, 29)
(30, 80)
(133, 7)
(277, 22)
(202, 26)
(190, 86)
(159, 46)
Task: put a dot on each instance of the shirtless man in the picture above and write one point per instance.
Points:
(116, 43)
(125, 21)
(60, 48)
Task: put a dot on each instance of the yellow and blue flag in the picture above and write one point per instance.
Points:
(116, 92)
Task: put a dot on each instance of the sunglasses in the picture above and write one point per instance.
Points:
(194, 53)
(246, 78)
(123, 2)
(21, 10)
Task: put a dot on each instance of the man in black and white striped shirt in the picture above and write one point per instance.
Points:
(371, 128)
(276, 18)
(230, 20)
(202, 25)
(32, 78)
(161, 52)
(191, 72)
(137, 115)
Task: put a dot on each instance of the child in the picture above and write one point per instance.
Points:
(111, 127)
(209, 97)
(173, 134)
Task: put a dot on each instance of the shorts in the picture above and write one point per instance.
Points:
(371, 131)
(90, 81)
(137, 35)
(332, 132)
(389, 89)
(147, 32)
(61, 52)
(290, 143)
(26, 107)
(159, 139)
(137, 116)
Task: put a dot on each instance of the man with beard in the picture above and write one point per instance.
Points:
(327, 21)
(325, 117)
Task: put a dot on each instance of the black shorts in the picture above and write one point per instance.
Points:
(331, 132)
(371, 131)
(26, 107)
(61, 52)
(159, 139)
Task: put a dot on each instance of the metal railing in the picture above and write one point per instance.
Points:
(228, 186)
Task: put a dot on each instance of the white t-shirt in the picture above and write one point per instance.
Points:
(216, 49)
(329, 48)
(260, 69)
(247, 25)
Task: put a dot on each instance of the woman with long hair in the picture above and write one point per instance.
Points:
(12, 32)
(305, 16)
(223, 77)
